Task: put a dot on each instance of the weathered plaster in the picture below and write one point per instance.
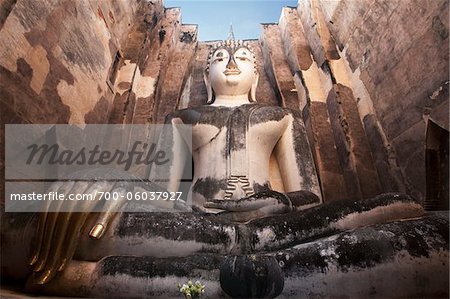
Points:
(318, 83)
(37, 59)
(143, 86)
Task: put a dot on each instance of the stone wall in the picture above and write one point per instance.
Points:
(399, 51)
(56, 58)
(367, 76)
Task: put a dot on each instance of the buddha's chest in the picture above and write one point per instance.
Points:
(234, 129)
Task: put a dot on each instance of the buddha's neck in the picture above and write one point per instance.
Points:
(231, 101)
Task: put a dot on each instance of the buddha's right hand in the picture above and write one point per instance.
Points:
(264, 204)
(259, 205)
(59, 229)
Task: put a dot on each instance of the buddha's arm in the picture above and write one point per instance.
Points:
(294, 158)
(173, 144)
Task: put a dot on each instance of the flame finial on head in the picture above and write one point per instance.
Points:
(231, 33)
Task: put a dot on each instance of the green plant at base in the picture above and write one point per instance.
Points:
(191, 290)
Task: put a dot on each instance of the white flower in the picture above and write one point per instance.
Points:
(190, 288)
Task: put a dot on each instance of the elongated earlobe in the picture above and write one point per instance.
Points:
(209, 90)
(253, 89)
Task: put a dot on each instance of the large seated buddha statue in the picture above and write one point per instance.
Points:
(245, 237)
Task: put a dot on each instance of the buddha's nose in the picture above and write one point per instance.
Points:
(231, 65)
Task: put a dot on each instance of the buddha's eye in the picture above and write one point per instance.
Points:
(242, 58)
(219, 57)
(242, 54)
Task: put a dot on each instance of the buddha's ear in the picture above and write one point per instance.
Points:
(209, 90)
(253, 89)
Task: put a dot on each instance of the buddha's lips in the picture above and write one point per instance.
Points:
(231, 72)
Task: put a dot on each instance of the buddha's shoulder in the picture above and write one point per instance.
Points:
(271, 112)
(194, 110)
(258, 111)
(193, 114)
(271, 108)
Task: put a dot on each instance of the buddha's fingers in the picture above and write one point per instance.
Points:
(120, 192)
(250, 203)
(60, 233)
(47, 272)
(47, 230)
(41, 225)
(79, 219)
(240, 205)
(247, 216)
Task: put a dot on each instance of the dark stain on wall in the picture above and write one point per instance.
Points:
(5, 9)
(99, 114)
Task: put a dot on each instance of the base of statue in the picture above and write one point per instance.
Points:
(406, 258)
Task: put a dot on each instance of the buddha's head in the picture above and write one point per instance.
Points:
(231, 71)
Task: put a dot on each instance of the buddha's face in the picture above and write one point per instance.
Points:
(232, 71)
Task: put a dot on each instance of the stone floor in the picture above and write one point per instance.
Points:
(14, 292)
